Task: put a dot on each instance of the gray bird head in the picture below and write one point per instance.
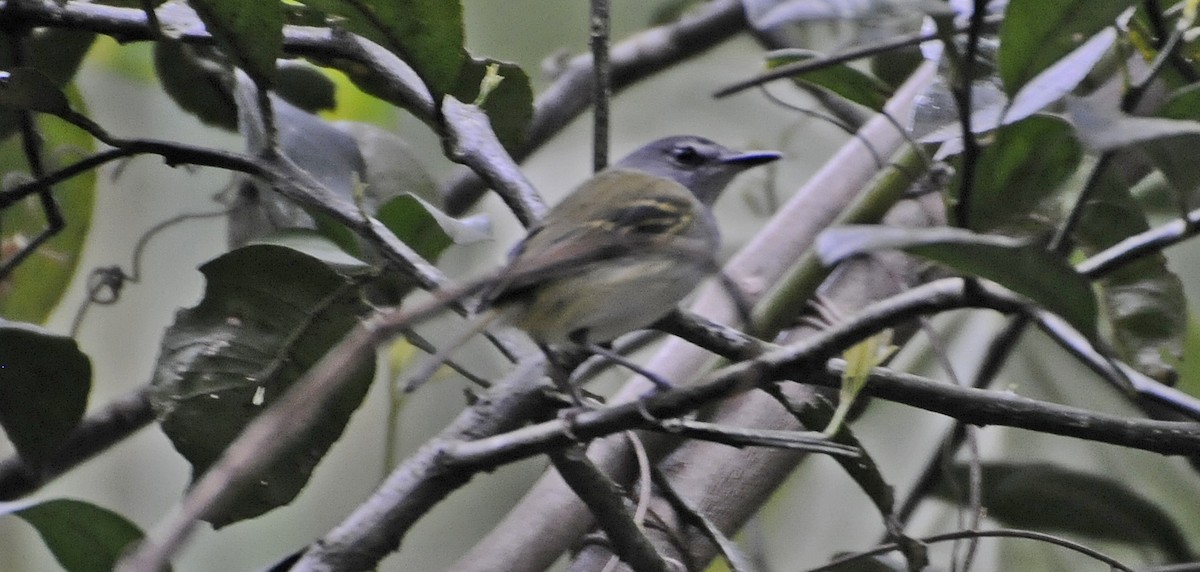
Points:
(704, 167)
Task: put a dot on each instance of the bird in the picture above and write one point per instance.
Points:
(620, 251)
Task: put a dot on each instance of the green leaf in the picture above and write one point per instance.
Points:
(1106, 129)
(1175, 156)
(55, 52)
(28, 88)
(268, 314)
(251, 33)
(1143, 300)
(1085, 504)
(1023, 166)
(1024, 268)
(82, 536)
(392, 167)
(1061, 78)
(44, 385)
(35, 287)
(306, 87)
(196, 82)
(319, 247)
(1182, 104)
(509, 105)
(857, 86)
(426, 229)
(426, 34)
(1035, 34)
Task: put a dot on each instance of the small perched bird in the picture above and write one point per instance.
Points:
(647, 222)
(622, 249)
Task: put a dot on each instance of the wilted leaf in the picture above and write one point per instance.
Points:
(82, 536)
(268, 314)
(44, 385)
(1024, 268)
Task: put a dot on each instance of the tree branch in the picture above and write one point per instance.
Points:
(94, 434)
(633, 59)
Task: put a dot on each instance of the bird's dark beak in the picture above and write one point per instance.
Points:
(751, 158)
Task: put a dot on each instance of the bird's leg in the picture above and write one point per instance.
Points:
(559, 375)
(737, 296)
(580, 337)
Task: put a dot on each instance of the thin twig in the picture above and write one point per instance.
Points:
(601, 28)
(998, 533)
(806, 66)
(605, 499)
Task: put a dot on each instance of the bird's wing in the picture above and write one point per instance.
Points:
(624, 210)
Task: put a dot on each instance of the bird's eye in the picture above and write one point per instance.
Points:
(687, 155)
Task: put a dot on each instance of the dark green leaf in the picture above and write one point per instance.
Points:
(319, 247)
(1175, 156)
(1182, 104)
(28, 88)
(82, 536)
(1024, 268)
(35, 287)
(426, 229)
(1035, 34)
(509, 106)
(1086, 504)
(55, 52)
(1060, 79)
(306, 87)
(268, 314)
(1023, 165)
(426, 34)
(857, 86)
(1143, 300)
(196, 82)
(44, 385)
(251, 33)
